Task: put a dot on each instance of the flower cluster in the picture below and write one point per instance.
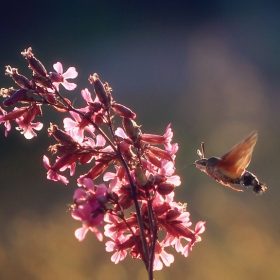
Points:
(142, 184)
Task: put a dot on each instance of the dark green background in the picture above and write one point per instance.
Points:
(211, 68)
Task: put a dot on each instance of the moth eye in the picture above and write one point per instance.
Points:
(201, 162)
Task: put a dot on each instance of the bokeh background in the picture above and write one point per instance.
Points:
(211, 68)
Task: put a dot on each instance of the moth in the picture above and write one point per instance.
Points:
(231, 167)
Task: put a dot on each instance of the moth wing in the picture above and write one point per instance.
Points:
(235, 161)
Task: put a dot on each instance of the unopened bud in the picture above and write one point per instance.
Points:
(43, 81)
(94, 106)
(140, 176)
(102, 199)
(85, 158)
(158, 179)
(97, 170)
(50, 97)
(153, 159)
(131, 129)
(99, 89)
(153, 138)
(112, 197)
(126, 201)
(125, 189)
(98, 118)
(34, 63)
(56, 77)
(172, 215)
(165, 188)
(160, 153)
(123, 111)
(59, 135)
(19, 95)
(65, 160)
(16, 113)
(19, 79)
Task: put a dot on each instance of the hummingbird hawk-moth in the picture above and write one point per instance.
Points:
(231, 167)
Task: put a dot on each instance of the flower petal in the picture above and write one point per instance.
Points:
(70, 73)
(69, 86)
(58, 67)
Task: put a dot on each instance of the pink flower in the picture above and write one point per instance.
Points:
(6, 122)
(199, 228)
(25, 122)
(61, 78)
(116, 227)
(52, 175)
(27, 128)
(75, 128)
(167, 169)
(119, 244)
(83, 213)
(88, 208)
(162, 256)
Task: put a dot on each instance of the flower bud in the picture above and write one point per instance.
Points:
(50, 97)
(140, 176)
(97, 170)
(131, 129)
(85, 158)
(61, 136)
(99, 89)
(102, 200)
(165, 188)
(153, 138)
(19, 79)
(125, 189)
(94, 106)
(123, 111)
(65, 160)
(172, 215)
(153, 159)
(126, 201)
(56, 77)
(19, 95)
(112, 197)
(43, 81)
(160, 153)
(158, 179)
(16, 113)
(34, 63)
(98, 118)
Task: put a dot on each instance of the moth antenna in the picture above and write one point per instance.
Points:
(203, 149)
(201, 153)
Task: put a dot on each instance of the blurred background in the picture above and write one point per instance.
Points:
(211, 68)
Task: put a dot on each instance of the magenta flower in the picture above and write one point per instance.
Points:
(76, 127)
(167, 169)
(27, 129)
(61, 78)
(52, 175)
(120, 244)
(162, 257)
(25, 123)
(6, 122)
(199, 228)
(88, 208)
(83, 213)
